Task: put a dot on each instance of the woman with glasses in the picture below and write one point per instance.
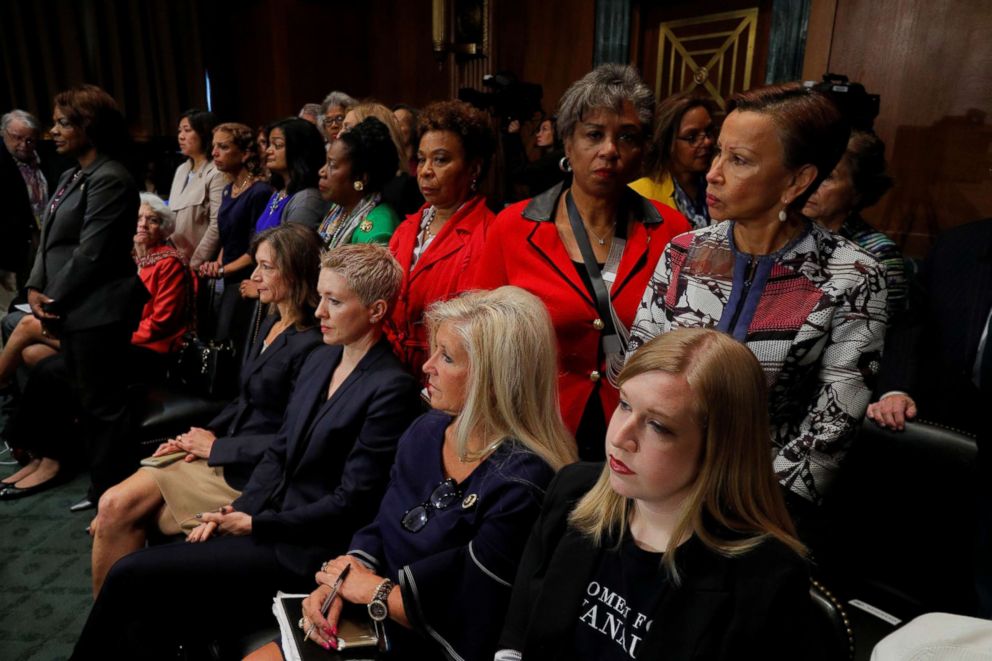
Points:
(332, 112)
(679, 156)
(436, 565)
(318, 481)
(587, 246)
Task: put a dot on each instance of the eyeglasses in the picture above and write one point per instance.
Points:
(332, 121)
(443, 496)
(696, 137)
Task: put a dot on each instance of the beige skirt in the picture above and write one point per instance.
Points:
(191, 488)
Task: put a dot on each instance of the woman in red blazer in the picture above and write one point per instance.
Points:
(437, 245)
(603, 120)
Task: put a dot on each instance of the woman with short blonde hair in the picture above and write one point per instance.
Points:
(465, 489)
(680, 546)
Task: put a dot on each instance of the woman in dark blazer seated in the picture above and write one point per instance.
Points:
(680, 547)
(466, 488)
(84, 287)
(169, 497)
(320, 479)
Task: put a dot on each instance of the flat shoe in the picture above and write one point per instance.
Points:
(13, 492)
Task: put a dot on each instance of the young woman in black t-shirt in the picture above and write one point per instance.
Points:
(680, 546)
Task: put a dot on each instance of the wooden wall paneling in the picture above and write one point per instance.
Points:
(931, 62)
(402, 67)
(547, 43)
(819, 36)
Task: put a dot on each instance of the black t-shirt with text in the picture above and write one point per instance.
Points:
(618, 603)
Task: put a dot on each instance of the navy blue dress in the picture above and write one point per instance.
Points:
(236, 219)
(455, 574)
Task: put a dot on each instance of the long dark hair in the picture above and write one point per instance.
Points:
(203, 123)
(305, 154)
(296, 252)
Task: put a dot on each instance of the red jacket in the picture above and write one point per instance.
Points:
(523, 249)
(441, 271)
(165, 316)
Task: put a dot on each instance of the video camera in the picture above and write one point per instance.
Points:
(509, 99)
(858, 106)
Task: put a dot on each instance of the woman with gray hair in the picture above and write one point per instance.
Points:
(587, 246)
(40, 428)
(332, 111)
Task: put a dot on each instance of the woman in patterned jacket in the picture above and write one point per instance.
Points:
(809, 304)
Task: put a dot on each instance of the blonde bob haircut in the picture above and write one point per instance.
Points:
(370, 270)
(513, 373)
(735, 502)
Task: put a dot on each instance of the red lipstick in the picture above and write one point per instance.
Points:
(618, 466)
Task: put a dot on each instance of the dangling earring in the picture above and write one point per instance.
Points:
(782, 216)
(474, 186)
(564, 165)
(359, 186)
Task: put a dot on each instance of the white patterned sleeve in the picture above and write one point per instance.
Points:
(651, 319)
(851, 324)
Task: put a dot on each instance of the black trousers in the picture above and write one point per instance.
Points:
(186, 594)
(96, 361)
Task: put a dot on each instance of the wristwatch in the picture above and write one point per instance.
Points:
(379, 606)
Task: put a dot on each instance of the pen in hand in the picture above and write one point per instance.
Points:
(326, 606)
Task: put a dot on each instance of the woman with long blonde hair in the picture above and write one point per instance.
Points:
(438, 560)
(679, 546)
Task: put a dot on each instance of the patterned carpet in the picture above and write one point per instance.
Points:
(45, 592)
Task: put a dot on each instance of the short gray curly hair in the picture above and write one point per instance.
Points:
(607, 86)
(166, 216)
(337, 98)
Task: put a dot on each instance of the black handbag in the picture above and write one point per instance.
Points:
(208, 367)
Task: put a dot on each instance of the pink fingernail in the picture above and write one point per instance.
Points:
(327, 646)
(329, 631)
(333, 643)
(334, 630)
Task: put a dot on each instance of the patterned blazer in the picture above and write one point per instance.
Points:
(813, 313)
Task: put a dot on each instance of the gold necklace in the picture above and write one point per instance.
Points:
(238, 189)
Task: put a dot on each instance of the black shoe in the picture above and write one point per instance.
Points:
(12, 492)
(82, 505)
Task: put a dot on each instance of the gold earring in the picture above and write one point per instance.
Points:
(359, 186)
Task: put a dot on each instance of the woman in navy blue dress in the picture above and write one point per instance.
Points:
(466, 487)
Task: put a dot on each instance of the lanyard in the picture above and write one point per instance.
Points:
(614, 337)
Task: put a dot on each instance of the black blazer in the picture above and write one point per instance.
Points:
(84, 259)
(931, 356)
(324, 474)
(247, 425)
(755, 606)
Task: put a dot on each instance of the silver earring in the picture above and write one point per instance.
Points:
(474, 185)
(564, 165)
(782, 216)
(359, 186)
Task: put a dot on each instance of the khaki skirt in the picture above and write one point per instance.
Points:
(191, 488)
